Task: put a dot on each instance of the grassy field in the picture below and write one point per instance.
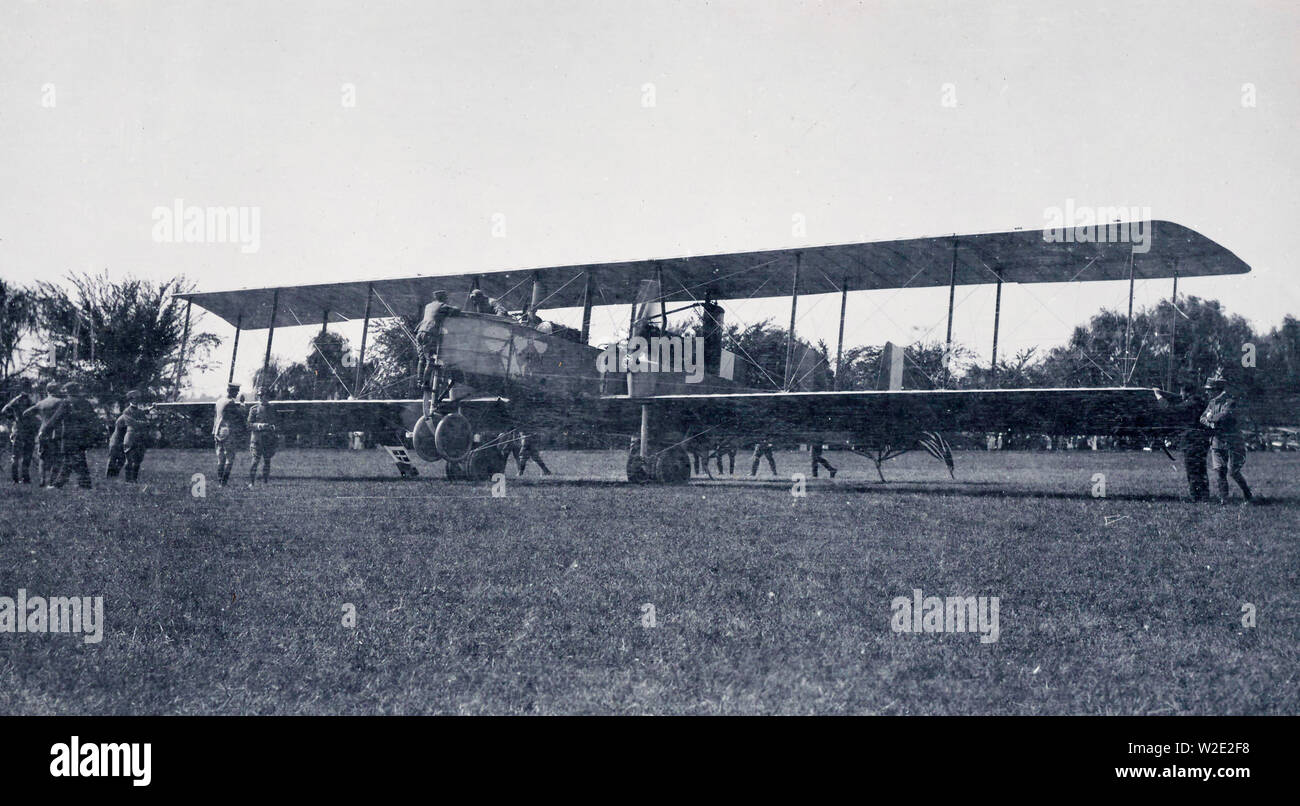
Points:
(233, 603)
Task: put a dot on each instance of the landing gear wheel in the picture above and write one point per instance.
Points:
(423, 442)
(673, 466)
(454, 436)
(484, 463)
(636, 470)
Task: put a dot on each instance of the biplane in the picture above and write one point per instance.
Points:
(492, 373)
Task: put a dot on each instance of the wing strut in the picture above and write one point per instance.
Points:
(270, 334)
(839, 344)
(997, 316)
(234, 351)
(952, 298)
(180, 366)
(365, 331)
(1128, 322)
(794, 307)
(586, 308)
(1173, 330)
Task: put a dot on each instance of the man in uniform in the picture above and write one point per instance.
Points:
(261, 437)
(427, 337)
(126, 444)
(725, 447)
(528, 449)
(482, 303)
(22, 432)
(819, 460)
(761, 449)
(509, 443)
(228, 429)
(1227, 448)
(47, 451)
(74, 427)
(1194, 439)
(527, 316)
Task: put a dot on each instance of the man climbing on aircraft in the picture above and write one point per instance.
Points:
(228, 429)
(1227, 448)
(261, 437)
(426, 337)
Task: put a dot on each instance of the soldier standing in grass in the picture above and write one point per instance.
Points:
(1227, 448)
(1194, 440)
(22, 432)
(509, 442)
(725, 447)
(228, 432)
(761, 449)
(261, 437)
(75, 428)
(818, 459)
(126, 444)
(47, 450)
(528, 449)
(698, 449)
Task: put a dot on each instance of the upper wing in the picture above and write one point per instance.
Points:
(896, 414)
(1021, 256)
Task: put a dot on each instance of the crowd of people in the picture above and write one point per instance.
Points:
(56, 425)
(52, 427)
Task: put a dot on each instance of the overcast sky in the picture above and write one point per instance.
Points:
(538, 112)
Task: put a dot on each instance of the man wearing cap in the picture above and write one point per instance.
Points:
(261, 437)
(1194, 439)
(228, 429)
(22, 432)
(482, 303)
(75, 428)
(1227, 448)
(127, 443)
(47, 450)
(426, 338)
